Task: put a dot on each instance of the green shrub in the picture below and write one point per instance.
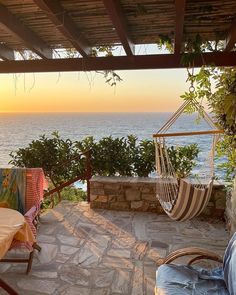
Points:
(183, 159)
(144, 158)
(125, 156)
(68, 193)
(49, 153)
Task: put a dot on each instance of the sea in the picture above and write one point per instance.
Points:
(17, 130)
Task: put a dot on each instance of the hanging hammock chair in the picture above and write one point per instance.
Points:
(180, 198)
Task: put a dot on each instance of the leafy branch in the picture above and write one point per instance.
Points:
(215, 85)
(110, 76)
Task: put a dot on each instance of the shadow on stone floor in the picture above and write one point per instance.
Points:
(87, 251)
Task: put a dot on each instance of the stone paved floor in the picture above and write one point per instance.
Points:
(103, 252)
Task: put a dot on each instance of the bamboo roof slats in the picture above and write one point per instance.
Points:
(146, 20)
(6, 53)
(82, 25)
(32, 17)
(93, 20)
(20, 31)
(62, 20)
(231, 37)
(149, 18)
(212, 18)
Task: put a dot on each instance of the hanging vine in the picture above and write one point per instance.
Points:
(110, 76)
(216, 86)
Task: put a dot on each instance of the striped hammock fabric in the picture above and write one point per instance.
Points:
(189, 202)
(181, 199)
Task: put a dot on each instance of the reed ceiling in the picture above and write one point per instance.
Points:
(43, 26)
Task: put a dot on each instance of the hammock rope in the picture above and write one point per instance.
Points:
(180, 198)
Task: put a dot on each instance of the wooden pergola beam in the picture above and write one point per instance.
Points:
(138, 62)
(29, 38)
(231, 38)
(179, 24)
(60, 18)
(6, 53)
(116, 15)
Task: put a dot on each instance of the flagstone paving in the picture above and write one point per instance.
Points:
(101, 252)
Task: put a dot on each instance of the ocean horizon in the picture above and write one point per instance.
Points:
(17, 130)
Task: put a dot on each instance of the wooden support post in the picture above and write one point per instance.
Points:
(88, 173)
(114, 10)
(160, 61)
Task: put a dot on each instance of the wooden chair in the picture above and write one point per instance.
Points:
(7, 288)
(199, 253)
(187, 279)
(35, 184)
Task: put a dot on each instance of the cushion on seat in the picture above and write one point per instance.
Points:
(229, 266)
(187, 280)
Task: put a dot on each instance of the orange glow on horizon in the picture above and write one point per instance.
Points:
(140, 91)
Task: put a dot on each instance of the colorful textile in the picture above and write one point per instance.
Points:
(22, 188)
(12, 189)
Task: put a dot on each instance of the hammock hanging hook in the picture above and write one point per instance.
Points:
(191, 78)
(191, 89)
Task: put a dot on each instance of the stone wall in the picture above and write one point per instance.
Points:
(231, 210)
(139, 194)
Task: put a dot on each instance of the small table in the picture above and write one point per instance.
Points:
(13, 226)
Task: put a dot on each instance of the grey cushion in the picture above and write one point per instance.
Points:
(229, 266)
(186, 280)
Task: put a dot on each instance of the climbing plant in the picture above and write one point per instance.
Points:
(217, 87)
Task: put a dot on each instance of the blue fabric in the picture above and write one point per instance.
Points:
(229, 266)
(187, 280)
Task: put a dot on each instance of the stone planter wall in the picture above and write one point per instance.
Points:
(231, 210)
(139, 194)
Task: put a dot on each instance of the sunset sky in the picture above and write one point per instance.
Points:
(140, 91)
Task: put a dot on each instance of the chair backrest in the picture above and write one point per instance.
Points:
(229, 266)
